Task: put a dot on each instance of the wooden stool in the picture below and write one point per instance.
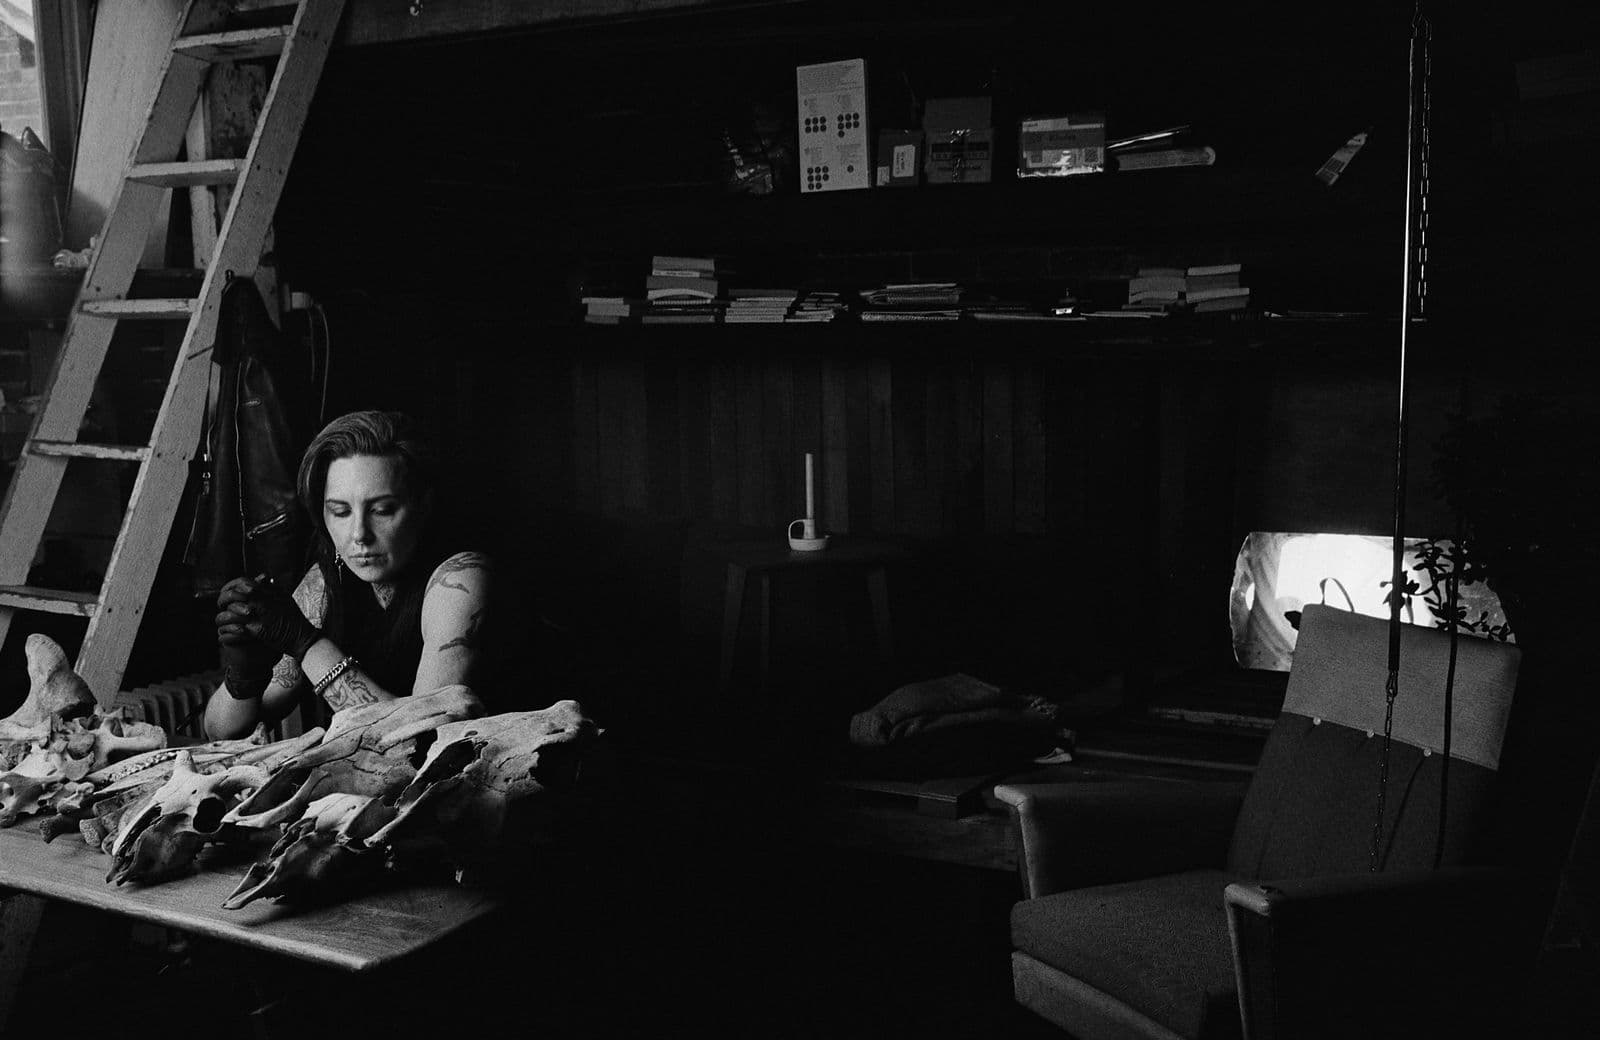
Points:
(761, 559)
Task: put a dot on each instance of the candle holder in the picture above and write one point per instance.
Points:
(808, 540)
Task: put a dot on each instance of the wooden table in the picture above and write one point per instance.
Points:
(359, 935)
(760, 559)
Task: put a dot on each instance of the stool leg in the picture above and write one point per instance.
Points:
(878, 593)
(765, 578)
(732, 611)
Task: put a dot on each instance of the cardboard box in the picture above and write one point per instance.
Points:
(899, 159)
(960, 140)
(1061, 146)
(832, 121)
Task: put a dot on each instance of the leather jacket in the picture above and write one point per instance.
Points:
(247, 521)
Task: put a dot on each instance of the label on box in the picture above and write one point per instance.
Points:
(1061, 146)
(899, 158)
(960, 156)
(832, 118)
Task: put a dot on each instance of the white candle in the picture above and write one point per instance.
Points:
(811, 512)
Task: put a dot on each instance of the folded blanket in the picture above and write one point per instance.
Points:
(948, 702)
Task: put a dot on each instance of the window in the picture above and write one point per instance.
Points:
(1277, 573)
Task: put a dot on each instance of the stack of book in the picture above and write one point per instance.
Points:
(1156, 289)
(1215, 287)
(921, 301)
(759, 306)
(1199, 289)
(817, 305)
(683, 290)
(611, 310)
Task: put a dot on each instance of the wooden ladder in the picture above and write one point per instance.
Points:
(114, 613)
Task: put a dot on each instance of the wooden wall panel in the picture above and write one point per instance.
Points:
(927, 446)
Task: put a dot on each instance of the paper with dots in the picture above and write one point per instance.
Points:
(832, 123)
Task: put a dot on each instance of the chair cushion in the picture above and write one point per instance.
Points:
(1159, 945)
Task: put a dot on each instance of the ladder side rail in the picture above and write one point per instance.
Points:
(137, 553)
(30, 495)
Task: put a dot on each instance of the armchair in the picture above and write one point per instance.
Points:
(1196, 911)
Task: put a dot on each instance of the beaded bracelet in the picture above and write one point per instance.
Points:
(333, 673)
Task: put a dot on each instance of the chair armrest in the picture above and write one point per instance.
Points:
(1403, 953)
(1077, 834)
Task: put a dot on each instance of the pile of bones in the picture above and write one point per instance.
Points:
(347, 803)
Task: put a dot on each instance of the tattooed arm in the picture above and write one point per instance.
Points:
(455, 608)
(228, 717)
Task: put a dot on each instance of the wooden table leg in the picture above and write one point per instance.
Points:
(732, 611)
(878, 593)
(19, 921)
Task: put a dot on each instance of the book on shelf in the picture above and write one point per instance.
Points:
(1166, 158)
(1157, 283)
(701, 264)
(654, 295)
(697, 284)
(1223, 303)
(1225, 293)
(1201, 270)
(1204, 282)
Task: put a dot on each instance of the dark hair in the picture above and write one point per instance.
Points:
(384, 637)
(384, 434)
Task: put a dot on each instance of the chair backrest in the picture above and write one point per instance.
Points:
(1311, 804)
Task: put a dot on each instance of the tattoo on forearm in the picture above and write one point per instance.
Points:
(287, 673)
(348, 690)
(454, 565)
(467, 640)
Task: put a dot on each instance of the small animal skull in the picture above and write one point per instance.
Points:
(161, 837)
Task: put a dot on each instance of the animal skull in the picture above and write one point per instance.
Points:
(321, 855)
(55, 692)
(367, 751)
(161, 837)
(476, 774)
(72, 750)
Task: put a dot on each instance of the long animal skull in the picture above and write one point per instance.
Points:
(321, 855)
(161, 837)
(368, 750)
(477, 774)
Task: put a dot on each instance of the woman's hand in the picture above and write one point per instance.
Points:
(246, 661)
(271, 616)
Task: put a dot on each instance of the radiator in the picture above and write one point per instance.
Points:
(176, 705)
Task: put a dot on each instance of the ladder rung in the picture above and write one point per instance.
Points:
(236, 45)
(51, 601)
(149, 310)
(185, 174)
(80, 450)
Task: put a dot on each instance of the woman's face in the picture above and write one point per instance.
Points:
(373, 518)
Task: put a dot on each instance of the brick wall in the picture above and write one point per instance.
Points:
(20, 103)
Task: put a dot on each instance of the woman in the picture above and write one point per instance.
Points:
(383, 610)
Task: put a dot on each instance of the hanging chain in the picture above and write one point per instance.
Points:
(1424, 108)
(1416, 256)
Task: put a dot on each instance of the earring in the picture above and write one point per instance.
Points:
(338, 563)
